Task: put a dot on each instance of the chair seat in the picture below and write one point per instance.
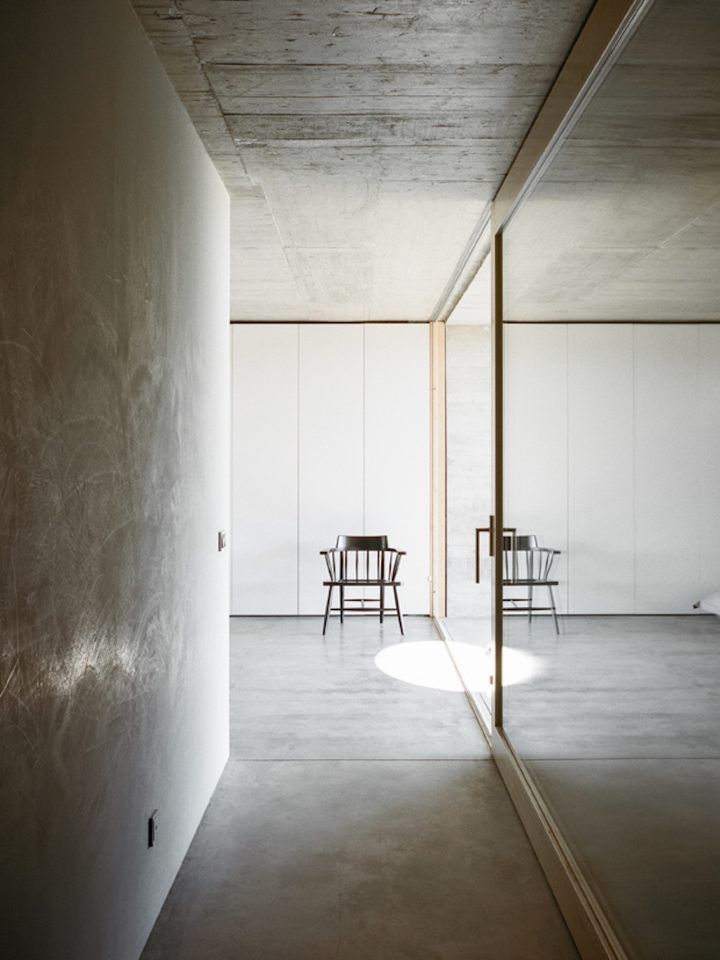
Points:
(530, 583)
(362, 583)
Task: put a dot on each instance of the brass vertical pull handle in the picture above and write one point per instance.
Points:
(490, 530)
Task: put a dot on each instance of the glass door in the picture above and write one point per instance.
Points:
(610, 347)
(468, 386)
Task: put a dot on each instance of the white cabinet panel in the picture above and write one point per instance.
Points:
(600, 448)
(264, 470)
(331, 449)
(666, 468)
(330, 435)
(397, 450)
(535, 438)
(709, 457)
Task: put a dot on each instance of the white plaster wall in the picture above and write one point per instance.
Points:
(344, 409)
(264, 541)
(468, 414)
(611, 455)
(114, 425)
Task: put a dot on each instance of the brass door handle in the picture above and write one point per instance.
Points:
(490, 530)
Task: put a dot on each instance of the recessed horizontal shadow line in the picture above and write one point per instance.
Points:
(360, 759)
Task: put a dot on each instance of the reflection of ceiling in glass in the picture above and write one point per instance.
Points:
(625, 222)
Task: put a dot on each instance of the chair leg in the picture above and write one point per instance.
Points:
(342, 604)
(327, 609)
(382, 603)
(554, 611)
(399, 614)
(530, 600)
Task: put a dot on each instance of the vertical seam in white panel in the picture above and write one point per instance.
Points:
(231, 519)
(430, 473)
(567, 465)
(634, 466)
(297, 470)
(431, 452)
(364, 417)
(698, 448)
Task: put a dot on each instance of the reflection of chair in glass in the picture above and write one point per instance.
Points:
(527, 565)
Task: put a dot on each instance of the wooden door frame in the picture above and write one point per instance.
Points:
(438, 472)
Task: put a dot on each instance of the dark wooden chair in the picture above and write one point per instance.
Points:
(364, 563)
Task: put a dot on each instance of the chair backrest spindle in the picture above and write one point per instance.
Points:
(361, 560)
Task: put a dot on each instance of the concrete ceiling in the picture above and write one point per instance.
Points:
(360, 141)
(625, 223)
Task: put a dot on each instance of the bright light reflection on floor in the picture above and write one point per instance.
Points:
(426, 663)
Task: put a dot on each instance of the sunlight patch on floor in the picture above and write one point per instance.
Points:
(427, 664)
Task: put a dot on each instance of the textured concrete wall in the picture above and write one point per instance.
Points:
(113, 481)
(468, 462)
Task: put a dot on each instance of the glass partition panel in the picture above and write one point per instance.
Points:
(469, 487)
(612, 485)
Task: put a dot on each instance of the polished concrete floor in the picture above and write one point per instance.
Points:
(647, 834)
(615, 687)
(295, 695)
(617, 722)
(359, 817)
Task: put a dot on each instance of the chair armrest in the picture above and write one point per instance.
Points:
(395, 563)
